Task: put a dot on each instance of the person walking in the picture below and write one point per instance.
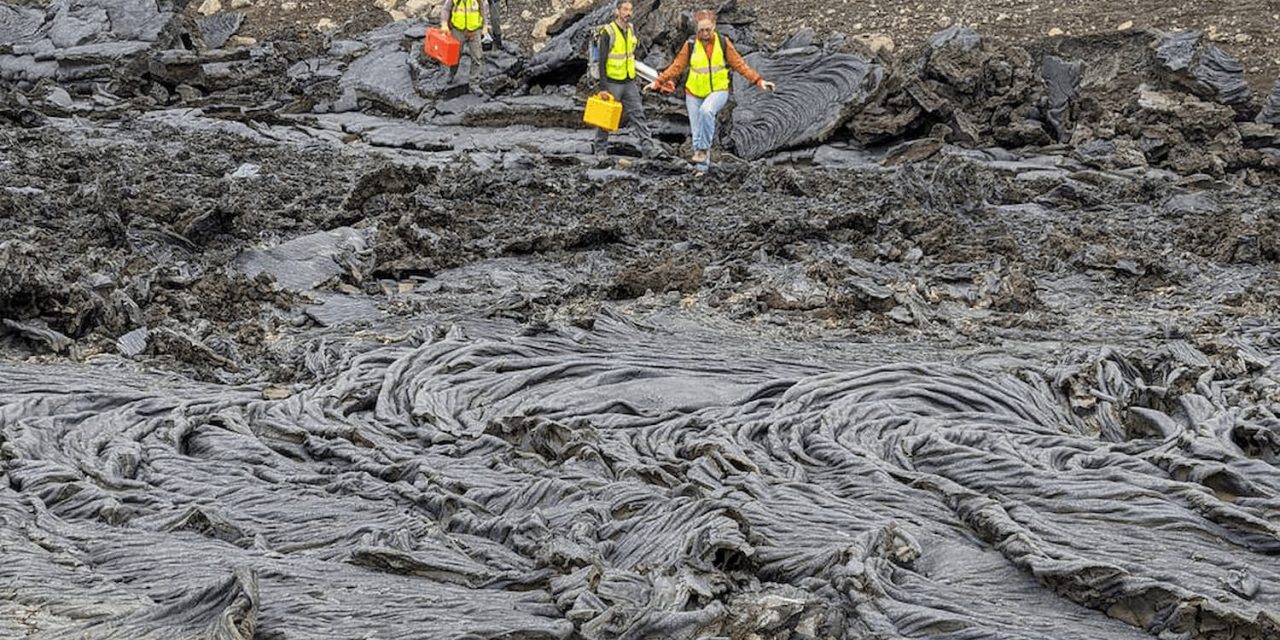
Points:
(495, 22)
(468, 21)
(708, 56)
(617, 43)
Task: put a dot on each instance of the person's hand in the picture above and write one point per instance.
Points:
(444, 24)
(484, 30)
(664, 87)
(765, 85)
(605, 95)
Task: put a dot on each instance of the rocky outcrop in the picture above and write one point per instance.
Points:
(83, 41)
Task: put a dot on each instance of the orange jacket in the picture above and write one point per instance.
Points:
(731, 57)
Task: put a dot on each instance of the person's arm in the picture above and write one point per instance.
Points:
(676, 67)
(737, 63)
(484, 13)
(446, 9)
(606, 44)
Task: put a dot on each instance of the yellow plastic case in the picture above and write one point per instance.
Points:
(603, 111)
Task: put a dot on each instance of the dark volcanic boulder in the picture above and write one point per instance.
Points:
(1271, 110)
(382, 75)
(1204, 68)
(219, 27)
(1224, 75)
(564, 56)
(817, 91)
(79, 40)
(984, 92)
(1062, 88)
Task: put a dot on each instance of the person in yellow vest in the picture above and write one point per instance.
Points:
(618, 77)
(468, 20)
(708, 56)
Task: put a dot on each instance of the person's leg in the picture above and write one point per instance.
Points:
(495, 24)
(461, 37)
(693, 104)
(600, 146)
(602, 137)
(476, 48)
(633, 112)
(708, 111)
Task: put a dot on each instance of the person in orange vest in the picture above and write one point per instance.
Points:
(708, 56)
(617, 71)
(468, 21)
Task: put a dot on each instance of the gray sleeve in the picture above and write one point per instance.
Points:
(606, 43)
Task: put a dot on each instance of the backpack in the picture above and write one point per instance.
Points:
(593, 53)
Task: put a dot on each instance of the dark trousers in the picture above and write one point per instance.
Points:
(495, 23)
(471, 42)
(628, 93)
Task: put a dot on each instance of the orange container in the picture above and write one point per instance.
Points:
(440, 45)
(603, 111)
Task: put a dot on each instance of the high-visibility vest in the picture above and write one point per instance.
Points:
(466, 15)
(707, 74)
(621, 64)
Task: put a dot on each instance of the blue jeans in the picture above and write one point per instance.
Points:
(702, 117)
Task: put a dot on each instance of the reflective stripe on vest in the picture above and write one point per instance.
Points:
(621, 64)
(466, 15)
(707, 75)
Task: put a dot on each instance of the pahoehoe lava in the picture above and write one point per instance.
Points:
(972, 341)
